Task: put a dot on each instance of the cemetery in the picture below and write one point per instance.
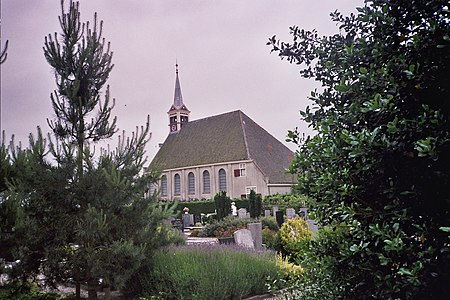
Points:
(238, 245)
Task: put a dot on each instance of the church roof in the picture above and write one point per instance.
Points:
(227, 137)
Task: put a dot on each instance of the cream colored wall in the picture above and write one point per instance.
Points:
(236, 186)
(280, 189)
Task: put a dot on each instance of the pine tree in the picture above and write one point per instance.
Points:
(91, 221)
(114, 221)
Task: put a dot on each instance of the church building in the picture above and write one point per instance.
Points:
(227, 152)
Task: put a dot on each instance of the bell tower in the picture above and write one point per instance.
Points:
(178, 112)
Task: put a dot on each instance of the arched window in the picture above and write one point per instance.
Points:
(191, 183)
(206, 183)
(222, 180)
(164, 185)
(177, 184)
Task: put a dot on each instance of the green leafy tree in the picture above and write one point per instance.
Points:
(379, 165)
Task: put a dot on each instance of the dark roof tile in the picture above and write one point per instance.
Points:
(227, 137)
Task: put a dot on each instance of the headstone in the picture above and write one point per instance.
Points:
(312, 226)
(280, 218)
(275, 209)
(197, 218)
(267, 213)
(303, 213)
(290, 213)
(243, 237)
(188, 219)
(256, 231)
(178, 224)
(242, 213)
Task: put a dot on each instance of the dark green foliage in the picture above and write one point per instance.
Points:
(230, 224)
(25, 292)
(196, 207)
(284, 201)
(223, 205)
(206, 206)
(254, 204)
(379, 166)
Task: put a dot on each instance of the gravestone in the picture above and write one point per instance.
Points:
(275, 209)
(312, 226)
(280, 218)
(177, 224)
(290, 213)
(256, 232)
(242, 213)
(303, 213)
(267, 213)
(188, 219)
(197, 218)
(243, 237)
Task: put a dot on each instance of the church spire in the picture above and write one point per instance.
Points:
(178, 97)
(178, 112)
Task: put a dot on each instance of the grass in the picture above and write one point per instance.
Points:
(211, 272)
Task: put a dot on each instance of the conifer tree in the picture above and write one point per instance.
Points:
(114, 226)
(75, 216)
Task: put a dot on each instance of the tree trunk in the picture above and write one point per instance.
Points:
(92, 291)
(77, 290)
(107, 291)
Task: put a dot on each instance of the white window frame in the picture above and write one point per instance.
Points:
(206, 182)
(222, 180)
(191, 183)
(242, 169)
(248, 189)
(164, 185)
(177, 184)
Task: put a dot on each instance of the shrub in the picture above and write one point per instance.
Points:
(223, 205)
(225, 226)
(229, 224)
(25, 291)
(254, 204)
(207, 207)
(284, 201)
(295, 235)
(269, 238)
(379, 162)
(210, 272)
(269, 222)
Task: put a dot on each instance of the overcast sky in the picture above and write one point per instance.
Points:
(224, 64)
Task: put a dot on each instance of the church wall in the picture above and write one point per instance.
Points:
(241, 176)
(280, 189)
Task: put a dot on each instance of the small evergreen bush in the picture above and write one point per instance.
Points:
(223, 205)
